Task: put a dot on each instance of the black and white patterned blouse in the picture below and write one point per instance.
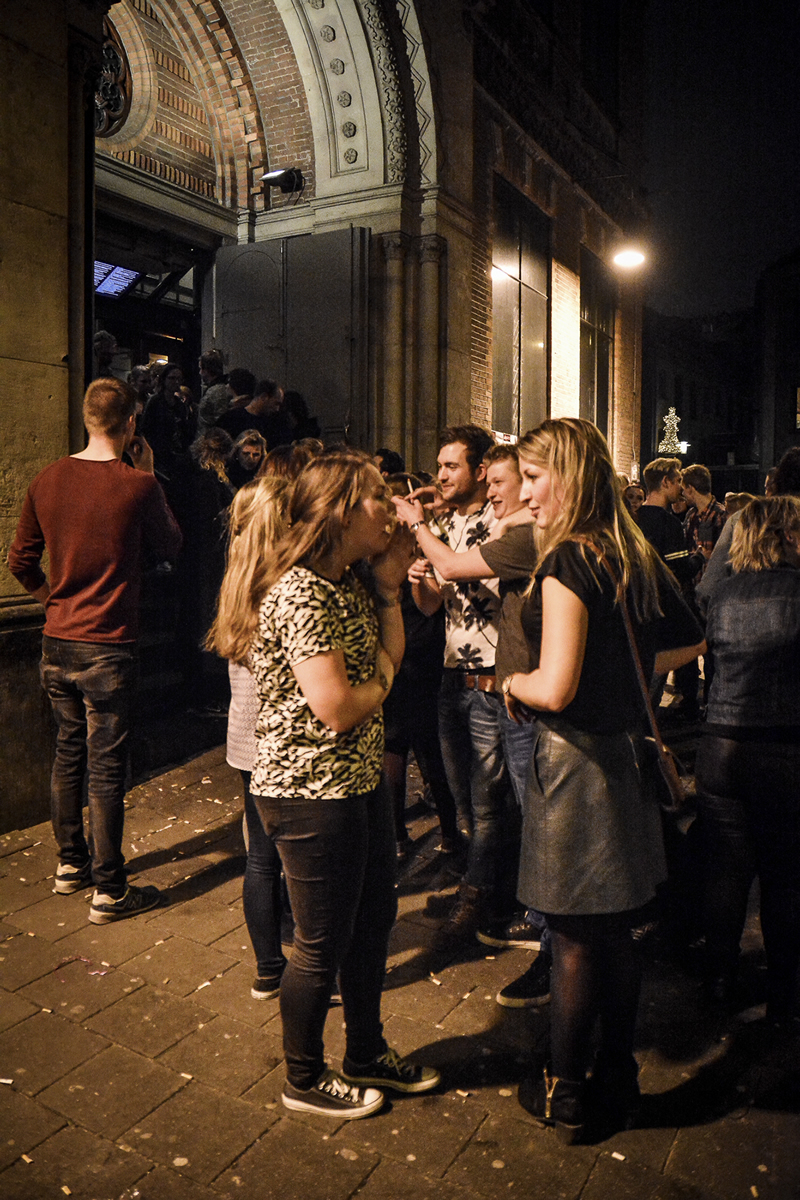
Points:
(303, 615)
(472, 608)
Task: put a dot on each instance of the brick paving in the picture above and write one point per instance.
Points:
(135, 1065)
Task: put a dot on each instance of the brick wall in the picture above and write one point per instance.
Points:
(178, 146)
(265, 47)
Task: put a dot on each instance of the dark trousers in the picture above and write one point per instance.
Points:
(261, 892)
(339, 861)
(748, 807)
(90, 686)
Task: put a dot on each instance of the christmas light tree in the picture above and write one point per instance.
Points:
(669, 444)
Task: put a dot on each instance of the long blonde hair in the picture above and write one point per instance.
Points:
(760, 537)
(592, 512)
(256, 522)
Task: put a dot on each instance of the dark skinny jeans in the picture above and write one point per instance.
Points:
(748, 807)
(339, 860)
(261, 892)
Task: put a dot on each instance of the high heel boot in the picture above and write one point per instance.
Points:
(556, 1102)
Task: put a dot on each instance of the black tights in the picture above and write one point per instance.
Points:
(596, 972)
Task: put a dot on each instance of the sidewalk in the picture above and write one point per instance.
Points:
(135, 1066)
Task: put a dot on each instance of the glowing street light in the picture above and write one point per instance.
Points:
(628, 258)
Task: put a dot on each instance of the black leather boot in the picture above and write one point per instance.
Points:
(556, 1102)
(612, 1091)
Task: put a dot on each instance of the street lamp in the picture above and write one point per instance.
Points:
(628, 257)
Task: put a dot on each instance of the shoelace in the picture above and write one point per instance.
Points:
(396, 1063)
(339, 1089)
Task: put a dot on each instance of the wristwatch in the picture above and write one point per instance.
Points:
(505, 686)
(416, 526)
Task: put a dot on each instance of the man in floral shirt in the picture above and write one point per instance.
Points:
(469, 705)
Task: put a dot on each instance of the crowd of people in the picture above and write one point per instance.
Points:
(495, 621)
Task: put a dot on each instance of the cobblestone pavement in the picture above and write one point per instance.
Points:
(135, 1066)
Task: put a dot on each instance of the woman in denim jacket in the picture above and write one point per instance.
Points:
(748, 765)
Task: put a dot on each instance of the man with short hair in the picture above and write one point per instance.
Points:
(97, 518)
(702, 525)
(264, 413)
(510, 555)
(655, 517)
(469, 704)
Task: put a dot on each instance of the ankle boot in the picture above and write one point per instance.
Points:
(556, 1102)
(613, 1090)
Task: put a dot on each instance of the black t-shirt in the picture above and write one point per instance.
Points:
(608, 699)
(664, 531)
(273, 427)
(512, 558)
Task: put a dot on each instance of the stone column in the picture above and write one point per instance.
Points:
(429, 388)
(390, 429)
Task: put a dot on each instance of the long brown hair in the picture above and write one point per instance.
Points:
(324, 493)
(592, 512)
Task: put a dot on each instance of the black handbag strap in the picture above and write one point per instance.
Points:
(637, 662)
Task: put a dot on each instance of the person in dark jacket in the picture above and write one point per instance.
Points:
(748, 765)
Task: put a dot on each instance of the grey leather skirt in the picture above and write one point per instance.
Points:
(591, 836)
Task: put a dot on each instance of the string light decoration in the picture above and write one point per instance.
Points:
(669, 444)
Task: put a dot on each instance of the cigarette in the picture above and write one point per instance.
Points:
(410, 488)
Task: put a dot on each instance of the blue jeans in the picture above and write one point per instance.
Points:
(469, 730)
(261, 892)
(518, 750)
(339, 859)
(90, 686)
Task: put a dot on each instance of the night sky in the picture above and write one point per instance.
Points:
(723, 142)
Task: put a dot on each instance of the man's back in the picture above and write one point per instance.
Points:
(96, 520)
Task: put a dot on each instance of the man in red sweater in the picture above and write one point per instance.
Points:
(97, 517)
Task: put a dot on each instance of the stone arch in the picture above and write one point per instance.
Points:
(222, 79)
(353, 84)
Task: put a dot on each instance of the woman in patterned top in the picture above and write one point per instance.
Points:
(591, 846)
(324, 649)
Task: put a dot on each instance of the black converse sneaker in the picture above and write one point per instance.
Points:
(331, 1096)
(389, 1070)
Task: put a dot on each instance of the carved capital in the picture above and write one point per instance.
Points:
(395, 246)
(432, 248)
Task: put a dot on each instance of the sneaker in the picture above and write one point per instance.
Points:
(516, 932)
(265, 989)
(71, 879)
(468, 913)
(389, 1070)
(332, 1097)
(531, 989)
(440, 904)
(136, 900)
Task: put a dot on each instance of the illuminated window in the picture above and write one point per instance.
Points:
(520, 291)
(598, 312)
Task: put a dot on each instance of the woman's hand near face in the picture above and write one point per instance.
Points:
(390, 569)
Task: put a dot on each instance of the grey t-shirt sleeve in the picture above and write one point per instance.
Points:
(513, 554)
(717, 567)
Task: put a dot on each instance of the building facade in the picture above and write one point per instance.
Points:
(468, 168)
